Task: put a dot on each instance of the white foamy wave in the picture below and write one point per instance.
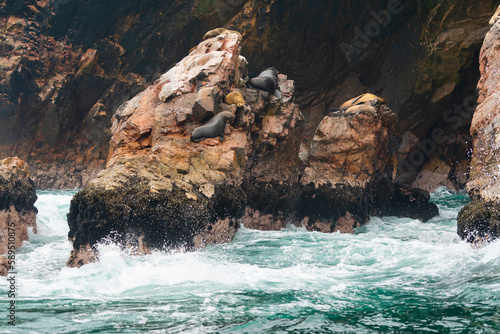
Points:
(53, 208)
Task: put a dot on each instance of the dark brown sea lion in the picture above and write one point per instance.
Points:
(213, 128)
(267, 81)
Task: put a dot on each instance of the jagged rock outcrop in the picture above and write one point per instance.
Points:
(349, 171)
(67, 65)
(161, 188)
(480, 220)
(17, 209)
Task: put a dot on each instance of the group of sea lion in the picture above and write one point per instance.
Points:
(266, 81)
(363, 103)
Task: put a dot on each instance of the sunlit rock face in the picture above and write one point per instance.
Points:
(17, 209)
(479, 220)
(68, 65)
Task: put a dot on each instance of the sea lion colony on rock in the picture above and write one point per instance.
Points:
(268, 81)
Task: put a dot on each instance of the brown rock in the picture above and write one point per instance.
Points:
(180, 194)
(17, 210)
(351, 149)
(478, 220)
(349, 168)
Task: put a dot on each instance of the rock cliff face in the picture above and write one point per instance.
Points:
(479, 220)
(161, 191)
(67, 65)
(17, 209)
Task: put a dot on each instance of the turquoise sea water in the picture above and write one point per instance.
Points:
(392, 276)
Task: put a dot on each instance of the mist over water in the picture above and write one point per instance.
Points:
(392, 275)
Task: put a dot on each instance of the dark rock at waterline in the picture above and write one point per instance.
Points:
(479, 221)
(160, 220)
(17, 207)
(343, 207)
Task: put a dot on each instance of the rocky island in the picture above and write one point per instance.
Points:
(160, 190)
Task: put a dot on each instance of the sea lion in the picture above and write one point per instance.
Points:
(213, 128)
(270, 72)
(267, 81)
(358, 109)
(214, 33)
(363, 98)
(235, 98)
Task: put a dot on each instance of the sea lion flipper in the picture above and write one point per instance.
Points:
(277, 93)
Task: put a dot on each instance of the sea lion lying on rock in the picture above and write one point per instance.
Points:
(213, 128)
(363, 99)
(359, 109)
(363, 103)
(267, 81)
(235, 98)
(216, 32)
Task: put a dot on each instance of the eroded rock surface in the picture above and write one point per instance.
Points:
(478, 220)
(17, 209)
(66, 66)
(349, 172)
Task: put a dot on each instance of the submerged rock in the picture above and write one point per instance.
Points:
(478, 220)
(17, 209)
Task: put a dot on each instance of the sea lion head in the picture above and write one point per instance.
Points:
(225, 115)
